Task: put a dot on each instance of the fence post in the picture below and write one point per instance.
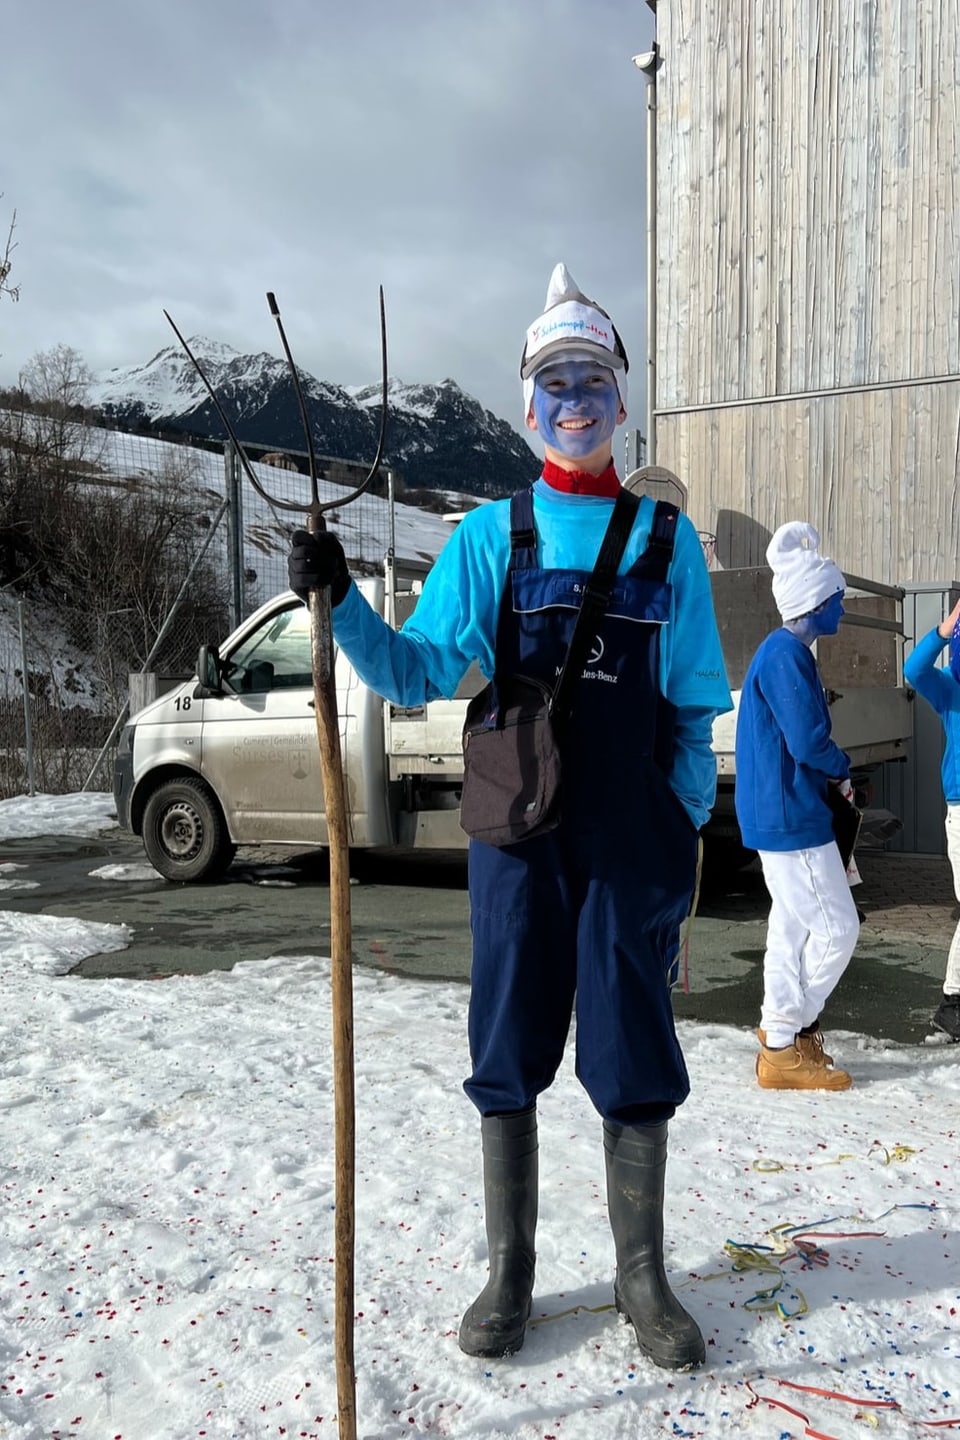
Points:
(143, 688)
(232, 493)
(27, 730)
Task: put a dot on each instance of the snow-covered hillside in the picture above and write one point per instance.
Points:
(366, 527)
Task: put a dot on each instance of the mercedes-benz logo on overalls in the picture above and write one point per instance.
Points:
(596, 653)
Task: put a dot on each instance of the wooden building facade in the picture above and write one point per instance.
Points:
(807, 221)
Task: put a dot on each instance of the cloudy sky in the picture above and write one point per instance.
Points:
(195, 154)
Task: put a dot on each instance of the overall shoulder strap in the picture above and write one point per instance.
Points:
(523, 534)
(663, 532)
(523, 556)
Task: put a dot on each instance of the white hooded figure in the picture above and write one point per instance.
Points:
(788, 770)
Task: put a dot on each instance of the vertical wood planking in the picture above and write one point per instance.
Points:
(808, 212)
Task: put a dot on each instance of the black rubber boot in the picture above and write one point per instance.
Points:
(636, 1158)
(495, 1323)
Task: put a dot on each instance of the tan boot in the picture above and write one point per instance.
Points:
(788, 1069)
(811, 1047)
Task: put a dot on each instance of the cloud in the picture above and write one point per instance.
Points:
(195, 155)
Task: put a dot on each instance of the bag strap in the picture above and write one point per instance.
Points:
(596, 598)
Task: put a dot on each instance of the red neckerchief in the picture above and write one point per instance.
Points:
(578, 482)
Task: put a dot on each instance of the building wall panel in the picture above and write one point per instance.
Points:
(808, 197)
(876, 471)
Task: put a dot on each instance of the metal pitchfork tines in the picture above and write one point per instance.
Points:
(314, 509)
(341, 934)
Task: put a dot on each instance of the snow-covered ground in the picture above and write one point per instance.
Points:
(166, 1249)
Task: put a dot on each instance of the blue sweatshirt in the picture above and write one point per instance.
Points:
(942, 691)
(785, 756)
(455, 621)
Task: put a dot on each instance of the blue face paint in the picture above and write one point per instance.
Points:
(576, 404)
(825, 620)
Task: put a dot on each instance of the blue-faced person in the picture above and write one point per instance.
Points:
(574, 372)
(826, 618)
(808, 587)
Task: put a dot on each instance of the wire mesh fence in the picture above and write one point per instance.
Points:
(65, 666)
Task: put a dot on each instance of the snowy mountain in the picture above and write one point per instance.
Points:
(438, 437)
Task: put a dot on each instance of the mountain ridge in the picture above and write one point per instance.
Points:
(438, 436)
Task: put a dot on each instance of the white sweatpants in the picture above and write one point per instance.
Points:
(951, 981)
(811, 934)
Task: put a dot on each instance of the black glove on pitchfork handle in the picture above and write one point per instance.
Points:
(316, 561)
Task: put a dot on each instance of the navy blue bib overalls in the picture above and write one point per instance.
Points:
(587, 915)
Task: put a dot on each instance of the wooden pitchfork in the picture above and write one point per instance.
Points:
(341, 936)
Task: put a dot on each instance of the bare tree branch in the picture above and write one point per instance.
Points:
(6, 262)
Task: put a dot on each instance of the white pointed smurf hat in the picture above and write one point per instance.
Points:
(802, 577)
(572, 327)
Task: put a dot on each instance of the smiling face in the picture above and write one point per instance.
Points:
(576, 408)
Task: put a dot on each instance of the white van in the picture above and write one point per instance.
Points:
(232, 757)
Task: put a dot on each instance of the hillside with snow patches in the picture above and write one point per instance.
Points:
(119, 461)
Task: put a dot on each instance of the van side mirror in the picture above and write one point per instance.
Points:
(209, 672)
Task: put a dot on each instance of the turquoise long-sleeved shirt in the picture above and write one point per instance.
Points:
(939, 688)
(455, 622)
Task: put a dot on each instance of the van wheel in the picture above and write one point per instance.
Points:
(184, 833)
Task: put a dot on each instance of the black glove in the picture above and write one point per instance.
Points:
(315, 561)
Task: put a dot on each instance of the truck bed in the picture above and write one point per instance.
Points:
(861, 666)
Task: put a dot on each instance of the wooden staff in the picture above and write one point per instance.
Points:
(341, 994)
(335, 806)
